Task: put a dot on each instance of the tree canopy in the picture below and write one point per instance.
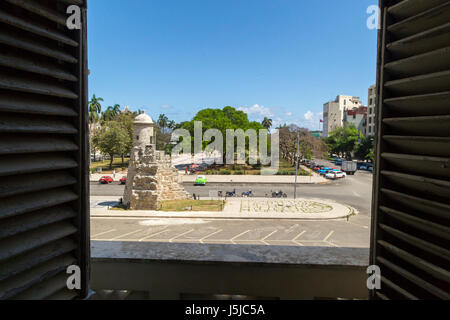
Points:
(364, 149)
(113, 139)
(221, 119)
(343, 140)
(309, 145)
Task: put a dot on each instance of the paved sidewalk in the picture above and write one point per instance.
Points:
(240, 208)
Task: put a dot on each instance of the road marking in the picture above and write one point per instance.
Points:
(291, 228)
(126, 234)
(154, 234)
(299, 235)
(209, 235)
(241, 234)
(329, 235)
(331, 243)
(184, 233)
(356, 194)
(99, 234)
(263, 239)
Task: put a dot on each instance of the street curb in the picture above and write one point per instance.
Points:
(224, 218)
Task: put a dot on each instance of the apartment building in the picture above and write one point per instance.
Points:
(357, 117)
(333, 112)
(371, 100)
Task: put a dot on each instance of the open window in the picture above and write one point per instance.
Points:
(44, 188)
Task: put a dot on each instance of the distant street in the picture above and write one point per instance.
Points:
(355, 191)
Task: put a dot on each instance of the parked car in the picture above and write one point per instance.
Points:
(105, 180)
(123, 180)
(331, 174)
(200, 181)
(365, 166)
(338, 162)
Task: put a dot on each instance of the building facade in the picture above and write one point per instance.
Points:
(371, 101)
(333, 112)
(357, 117)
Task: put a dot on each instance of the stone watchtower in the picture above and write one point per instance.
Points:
(151, 177)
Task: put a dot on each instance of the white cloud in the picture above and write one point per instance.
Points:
(309, 115)
(257, 110)
(166, 106)
(289, 113)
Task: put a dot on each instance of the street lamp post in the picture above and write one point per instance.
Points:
(296, 165)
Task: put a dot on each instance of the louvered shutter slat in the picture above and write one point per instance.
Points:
(411, 203)
(44, 187)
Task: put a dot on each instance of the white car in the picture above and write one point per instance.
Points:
(335, 174)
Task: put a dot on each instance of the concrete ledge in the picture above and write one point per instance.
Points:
(229, 253)
(168, 271)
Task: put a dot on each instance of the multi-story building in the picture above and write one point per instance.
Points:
(357, 117)
(333, 112)
(371, 111)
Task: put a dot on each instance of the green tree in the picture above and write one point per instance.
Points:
(162, 122)
(222, 119)
(126, 120)
(113, 139)
(343, 140)
(164, 128)
(95, 109)
(111, 112)
(364, 149)
(267, 123)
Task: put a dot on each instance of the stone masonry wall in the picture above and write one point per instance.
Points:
(151, 179)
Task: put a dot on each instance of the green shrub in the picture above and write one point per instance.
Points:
(225, 172)
(239, 172)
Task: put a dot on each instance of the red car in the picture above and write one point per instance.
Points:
(123, 180)
(105, 180)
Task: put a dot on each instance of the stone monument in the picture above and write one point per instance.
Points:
(151, 177)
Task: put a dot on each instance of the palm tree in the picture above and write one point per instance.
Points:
(95, 109)
(267, 123)
(111, 113)
(162, 122)
(116, 109)
(171, 125)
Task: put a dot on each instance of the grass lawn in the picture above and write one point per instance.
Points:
(117, 165)
(285, 168)
(192, 205)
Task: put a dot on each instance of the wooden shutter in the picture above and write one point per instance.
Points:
(411, 203)
(44, 209)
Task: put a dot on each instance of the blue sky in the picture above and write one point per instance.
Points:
(278, 58)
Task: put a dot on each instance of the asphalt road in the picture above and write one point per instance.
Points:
(333, 233)
(355, 191)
